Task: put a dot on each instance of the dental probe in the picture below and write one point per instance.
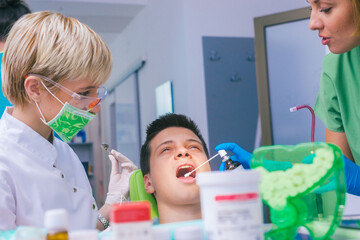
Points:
(188, 174)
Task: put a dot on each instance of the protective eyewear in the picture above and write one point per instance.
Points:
(78, 100)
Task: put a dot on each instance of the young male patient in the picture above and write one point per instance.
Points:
(173, 147)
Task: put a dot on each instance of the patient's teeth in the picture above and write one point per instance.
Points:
(186, 166)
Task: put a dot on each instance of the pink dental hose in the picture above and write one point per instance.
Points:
(293, 109)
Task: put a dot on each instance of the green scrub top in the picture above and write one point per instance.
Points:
(338, 101)
(3, 101)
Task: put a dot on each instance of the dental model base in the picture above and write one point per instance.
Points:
(303, 185)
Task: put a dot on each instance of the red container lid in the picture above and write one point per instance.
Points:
(130, 212)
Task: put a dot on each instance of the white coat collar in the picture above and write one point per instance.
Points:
(26, 138)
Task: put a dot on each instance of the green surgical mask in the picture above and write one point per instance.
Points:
(69, 121)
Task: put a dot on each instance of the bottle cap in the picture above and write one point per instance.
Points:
(130, 212)
(56, 219)
(222, 153)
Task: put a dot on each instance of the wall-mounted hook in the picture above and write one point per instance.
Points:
(235, 77)
(250, 57)
(214, 56)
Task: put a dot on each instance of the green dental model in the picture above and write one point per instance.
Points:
(303, 185)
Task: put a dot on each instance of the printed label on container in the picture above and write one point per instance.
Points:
(239, 216)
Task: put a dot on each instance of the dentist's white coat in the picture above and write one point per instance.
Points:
(36, 175)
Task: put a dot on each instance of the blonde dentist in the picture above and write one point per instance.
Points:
(52, 71)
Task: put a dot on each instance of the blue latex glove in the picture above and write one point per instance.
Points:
(352, 179)
(240, 156)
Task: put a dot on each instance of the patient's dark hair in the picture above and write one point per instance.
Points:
(10, 12)
(163, 122)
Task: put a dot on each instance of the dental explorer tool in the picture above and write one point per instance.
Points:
(188, 174)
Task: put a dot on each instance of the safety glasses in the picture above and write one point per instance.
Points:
(78, 100)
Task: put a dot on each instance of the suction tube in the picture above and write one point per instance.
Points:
(293, 109)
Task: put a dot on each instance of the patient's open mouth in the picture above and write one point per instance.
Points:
(183, 169)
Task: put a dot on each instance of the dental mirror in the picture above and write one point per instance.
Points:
(105, 147)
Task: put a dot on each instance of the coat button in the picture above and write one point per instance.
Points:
(54, 166)
(62, 176)
(75, 190)
(93, 206)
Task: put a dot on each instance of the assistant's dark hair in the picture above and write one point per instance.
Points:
(163, 122)
(10, 12)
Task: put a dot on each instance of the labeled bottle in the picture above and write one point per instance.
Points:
(56, 224)
(131, 221)
(229, 164)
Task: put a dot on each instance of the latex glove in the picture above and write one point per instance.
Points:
(352, 179)
(241, 155)
(119, 180)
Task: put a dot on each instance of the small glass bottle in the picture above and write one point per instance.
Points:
(229, 164)
(56, 224)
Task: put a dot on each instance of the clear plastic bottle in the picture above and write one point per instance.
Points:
(229, 164)
(56, 224)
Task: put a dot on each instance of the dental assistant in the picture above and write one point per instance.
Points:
(52, 71)
(338, 25)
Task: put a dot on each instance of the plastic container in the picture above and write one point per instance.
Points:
(84, 234)
(304, 186)
(189, 233)
(131, 221)
(231, 205)
(160, 234)
(26, 233)
(56, 223)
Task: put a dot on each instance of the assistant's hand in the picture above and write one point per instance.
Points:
(240, 156)
(119, 180)
(352, 179)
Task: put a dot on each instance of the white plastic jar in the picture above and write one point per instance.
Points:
(231, 205)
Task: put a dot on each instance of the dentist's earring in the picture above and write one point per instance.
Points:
(148, 184)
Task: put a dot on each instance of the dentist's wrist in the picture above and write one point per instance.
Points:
(103, 221)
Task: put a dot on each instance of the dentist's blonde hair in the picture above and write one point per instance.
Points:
(58, 47)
